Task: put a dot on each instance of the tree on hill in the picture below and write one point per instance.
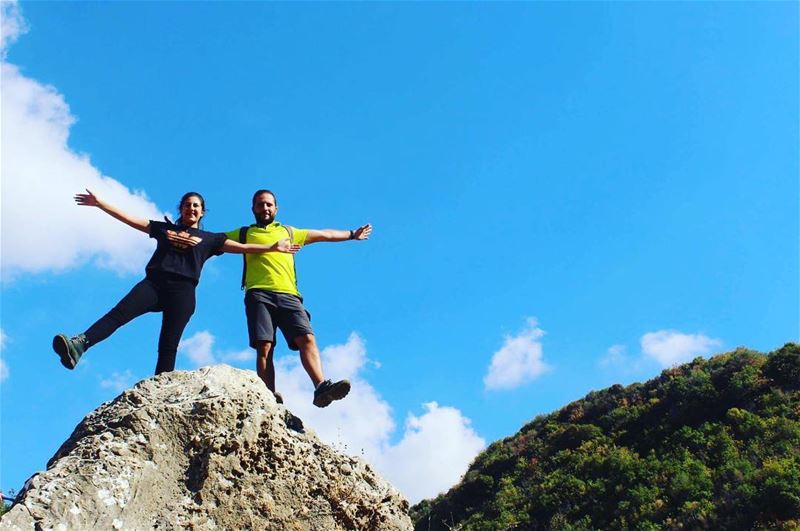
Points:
(712, 444)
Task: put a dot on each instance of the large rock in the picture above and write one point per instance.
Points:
(207, 449)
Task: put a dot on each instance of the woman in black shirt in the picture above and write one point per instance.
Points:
(170, 278)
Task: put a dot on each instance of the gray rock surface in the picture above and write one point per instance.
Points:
(206, 449)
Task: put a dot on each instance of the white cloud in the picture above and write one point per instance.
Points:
(239, 356)
(40, 174)
(200, 350)
(118, 381)
(518, 361)
(434, 451)
(363, 421)
(12, 25)
(670, 347)
(4, 373)
(433, 454)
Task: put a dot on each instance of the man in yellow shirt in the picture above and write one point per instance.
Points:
(272, 299)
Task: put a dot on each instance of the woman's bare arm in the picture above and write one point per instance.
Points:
(89, 199)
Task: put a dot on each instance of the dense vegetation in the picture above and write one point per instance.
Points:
(712, 444)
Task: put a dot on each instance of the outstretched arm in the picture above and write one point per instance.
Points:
(333, 235)
(89, 199)
(281, 246)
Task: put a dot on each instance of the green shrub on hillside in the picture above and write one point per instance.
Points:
(712, 444)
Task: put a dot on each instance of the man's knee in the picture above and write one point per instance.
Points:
(305, 341)
(264, 348)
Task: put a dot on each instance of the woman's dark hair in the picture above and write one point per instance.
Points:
(263, 191)
(186, 196)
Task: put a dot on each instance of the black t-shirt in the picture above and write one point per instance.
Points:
(182, 250)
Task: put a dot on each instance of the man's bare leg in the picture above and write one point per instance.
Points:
(309, 357)
(325, 391)
(265, 367)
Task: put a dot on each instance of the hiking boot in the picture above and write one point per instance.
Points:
(70, 350)
(328, 391)
(278, 397)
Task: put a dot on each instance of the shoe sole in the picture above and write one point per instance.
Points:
(62, 349)
(337, 391)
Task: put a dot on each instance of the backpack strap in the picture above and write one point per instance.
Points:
(290, 230)
(243, 239)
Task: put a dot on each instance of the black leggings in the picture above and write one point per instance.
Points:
(172, 295)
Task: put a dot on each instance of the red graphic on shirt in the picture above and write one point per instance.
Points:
(182, 239)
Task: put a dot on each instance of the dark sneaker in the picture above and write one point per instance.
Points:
(278, 397)
(70, 350)
(328, 391)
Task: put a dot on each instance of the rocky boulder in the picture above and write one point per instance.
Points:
(206, 449)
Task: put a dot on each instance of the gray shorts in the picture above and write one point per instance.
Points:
(267, 310)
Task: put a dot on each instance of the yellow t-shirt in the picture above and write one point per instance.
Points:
(270, 271)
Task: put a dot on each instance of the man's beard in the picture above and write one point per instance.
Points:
(263, 219)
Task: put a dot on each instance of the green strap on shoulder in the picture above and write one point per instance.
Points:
(290, 230)
(243, 239)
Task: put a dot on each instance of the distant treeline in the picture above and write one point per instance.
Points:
(712, 444)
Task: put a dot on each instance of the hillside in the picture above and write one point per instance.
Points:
(712, 444)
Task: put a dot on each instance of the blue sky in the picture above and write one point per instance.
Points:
(565, 196)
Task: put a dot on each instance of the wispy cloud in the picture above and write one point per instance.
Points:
(519, 360)
(12, 25)
(118, 381)
(671, 347)
(38, 164)
(4, 372)
(615, 356)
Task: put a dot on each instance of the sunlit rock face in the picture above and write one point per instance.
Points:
(206, 449)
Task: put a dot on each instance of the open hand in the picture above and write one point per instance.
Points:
(286, 246)
(87, 199)
(363, 232)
